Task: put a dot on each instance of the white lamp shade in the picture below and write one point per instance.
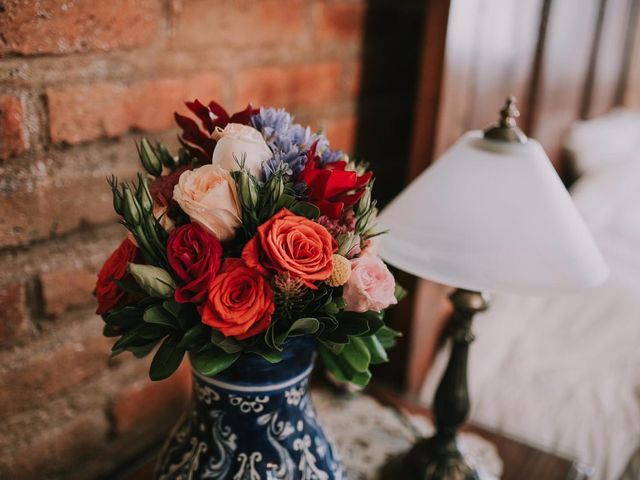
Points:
(491, 216)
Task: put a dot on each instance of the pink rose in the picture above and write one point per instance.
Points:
(370, 286)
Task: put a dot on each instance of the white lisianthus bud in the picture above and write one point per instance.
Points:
(239, 143)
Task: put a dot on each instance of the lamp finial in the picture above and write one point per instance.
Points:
(506, 130)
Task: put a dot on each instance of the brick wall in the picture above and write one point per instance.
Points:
(79, 81)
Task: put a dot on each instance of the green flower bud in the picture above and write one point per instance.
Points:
(131, 210)
(144, 196)
(276, 188)
(247, 190)
(117, 201)
(150, 160)
(364, 202)
(117, 195)
(165, 157)
(363, 222)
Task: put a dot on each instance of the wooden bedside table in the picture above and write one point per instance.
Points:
(520, 461)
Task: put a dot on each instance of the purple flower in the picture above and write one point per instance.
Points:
(290, 142)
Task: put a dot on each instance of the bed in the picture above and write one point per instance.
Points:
(564, 373)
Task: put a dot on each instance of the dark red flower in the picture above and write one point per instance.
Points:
(194, 255)
(198, 142)
(108, 292)
(332, 187)
(161, 188)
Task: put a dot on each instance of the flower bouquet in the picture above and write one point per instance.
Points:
(251, 249)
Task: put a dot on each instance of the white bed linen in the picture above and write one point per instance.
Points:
(563, 373)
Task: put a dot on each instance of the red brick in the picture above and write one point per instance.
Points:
(13, 314)
(32, 27)
(147, 403)
(84, 112)
(13, 135)
(290, 86)
(48, 373)
(241, 23)
(341, 133)
(63, 289)
(57, 450)
(67, 191)
(338, 20)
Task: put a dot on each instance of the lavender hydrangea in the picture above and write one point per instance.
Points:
(290, 141)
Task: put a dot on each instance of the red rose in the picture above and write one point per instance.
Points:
(194, 255)
(332, 187)
(108, 293)
(240, 301)
(287, 243)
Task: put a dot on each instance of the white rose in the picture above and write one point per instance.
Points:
(237, 142)
(208, 195)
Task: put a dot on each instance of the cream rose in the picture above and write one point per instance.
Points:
(208, 195)
(370, 286)
(237, 142)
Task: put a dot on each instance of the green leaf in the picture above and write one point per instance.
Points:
(331, 363)
(173, 307)
(197, 334)
(352, 325)
(270, 337)
(153, 280)
(305, 209)
(357, 354)
(329, 323)
(213, 361)
(301, 326)
(335, 336)
(128, 337)
(125, 317)
(335, 348)
(128, 286)
(360, 324)
(142, 350)
(285, 200)
(166, 360)
(156, 314)
(377, 351)
(228, 344)
(110, 331)
(361, 378)
(269, 354)
(387, 336)
(150, 331)
(400, 292)
(331, 308)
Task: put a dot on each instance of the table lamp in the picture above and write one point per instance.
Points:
(491, 215)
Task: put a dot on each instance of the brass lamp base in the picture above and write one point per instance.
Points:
(438, 457)
(430, 459)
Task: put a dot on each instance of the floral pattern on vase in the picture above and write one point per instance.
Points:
(255, 421)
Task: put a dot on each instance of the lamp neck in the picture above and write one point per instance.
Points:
(451, 403)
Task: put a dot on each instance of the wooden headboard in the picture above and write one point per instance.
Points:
(563, 59)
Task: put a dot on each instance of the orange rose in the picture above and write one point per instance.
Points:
(240, 301)
(293, 244)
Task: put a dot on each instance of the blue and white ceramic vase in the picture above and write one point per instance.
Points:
(254, 421)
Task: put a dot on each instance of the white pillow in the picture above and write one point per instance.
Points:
(598, 143)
